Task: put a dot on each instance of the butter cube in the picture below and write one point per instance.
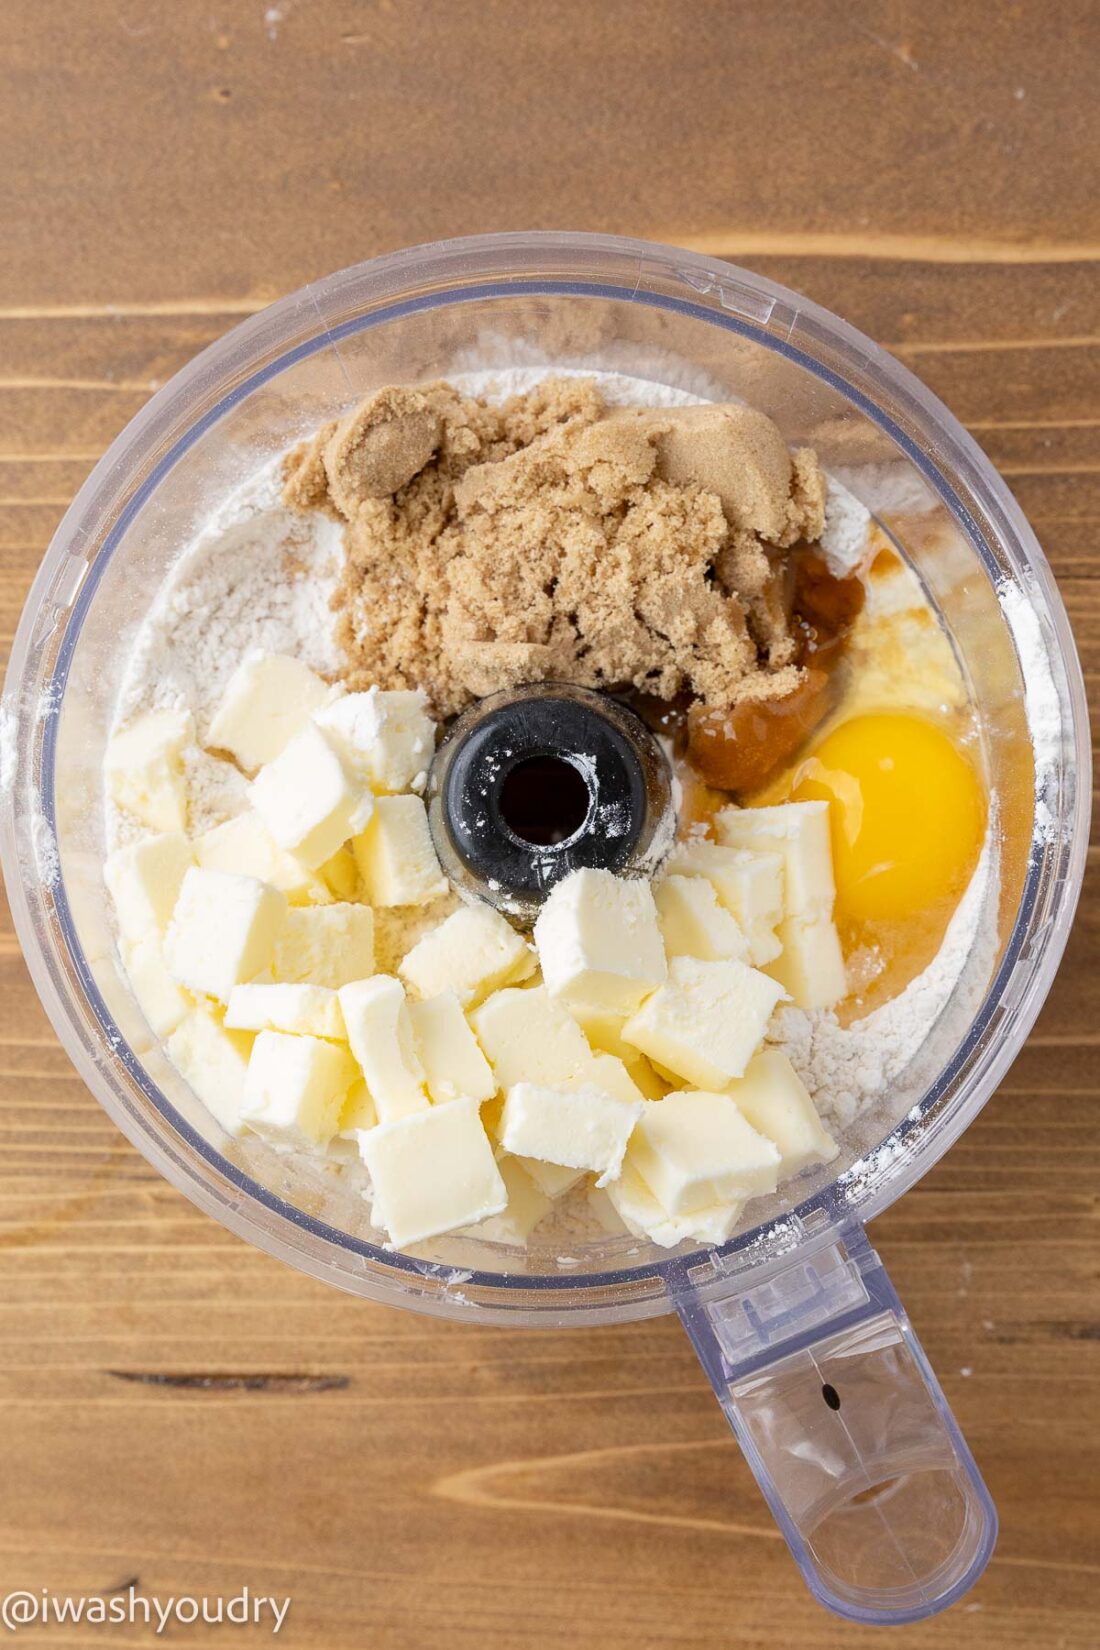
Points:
(772, 1097)
(472, 952)
(552, 1179)
(268, 699)
(608, 1072)
(527, 1205)
(214, 1062)
(431, 1172)
(163, 1003)
(340, 875)
(647, 1079)
(388, 738)
(707, 1022)
(598, 941)
(603, 1028)
(580, 1127)
(396, 856)
(810, 965)
(245, 846)
(605, 1214)
(527, 1036)
(143, 766)
(325, 945)
(381, 1036)
(359, 1111)
(799, 833)
(144, 882)
(643, 1216)
(694, 1149)
(308, 798)
(694, 924)
(750, 885)
(454, 1066)
(763, 942)
(223, 931)
(305, 1010)
(295, 1088)
(604, 1031)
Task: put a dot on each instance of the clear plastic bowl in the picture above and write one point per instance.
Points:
(879, 1498)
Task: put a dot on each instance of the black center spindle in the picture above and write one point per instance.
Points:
(532, 784)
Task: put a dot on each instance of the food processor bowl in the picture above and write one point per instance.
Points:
(807, 1346)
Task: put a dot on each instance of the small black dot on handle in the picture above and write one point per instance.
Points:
(830, 1395)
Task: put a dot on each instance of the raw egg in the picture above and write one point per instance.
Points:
(907, 814)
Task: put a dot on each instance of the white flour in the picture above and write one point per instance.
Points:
(844, 539)
(254, 576)
(845, 1067)
(1044, 709)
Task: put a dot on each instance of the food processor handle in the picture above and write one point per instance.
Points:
(846, 1429)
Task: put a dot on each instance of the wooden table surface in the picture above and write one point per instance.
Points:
(179, 1408)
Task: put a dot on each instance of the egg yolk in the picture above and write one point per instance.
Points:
(907, 814)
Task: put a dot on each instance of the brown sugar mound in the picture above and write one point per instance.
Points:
(548, 538)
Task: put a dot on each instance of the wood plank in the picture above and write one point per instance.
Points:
(638, 117)
(180, 1408)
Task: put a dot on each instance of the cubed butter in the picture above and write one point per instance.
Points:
(645, 1077)
(359, 1111)
(707, 1022)
(304, 1010)
(598, 941)
(223, 931)
(387, 738)
(325, 945)
(267, 700)
(810, 965)
(605, 1214)
(214, 1062)
(608, 1072)
(381, 1036)
(604, 1031)
(552, 1179)
(694, 924)
(643, 1216)
(773, 1098)
(579, 1127)
(396, 856)
(527, 1205)
(245, 846)
(472, 952)
(340, 875)
(763, 942)
(309, 799)
(750, 885)
(431, 1172)
(143, 766)
(799, 833)
(163, 1003)
(144, 881)
(454, 1066)
(695, 1149)
(295, 1088)
(527, 1036)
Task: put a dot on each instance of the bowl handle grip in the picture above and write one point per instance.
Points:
(847, 1431)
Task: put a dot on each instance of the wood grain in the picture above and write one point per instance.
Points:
(178, 1408)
